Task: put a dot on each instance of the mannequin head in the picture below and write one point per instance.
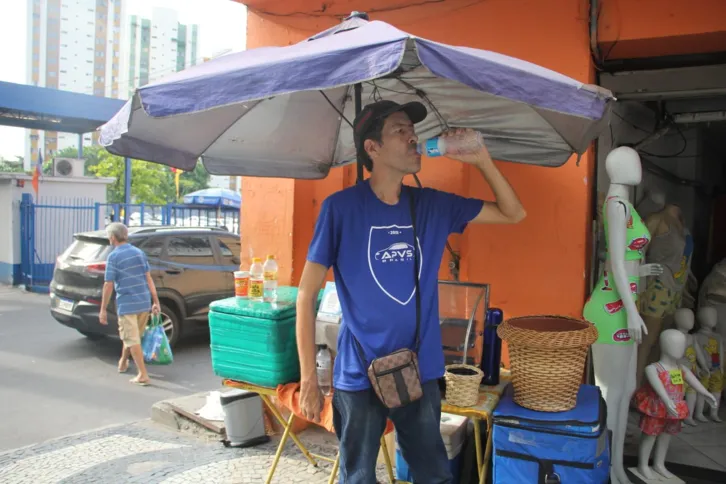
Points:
(623, 166)
(673, 343)
(708, 317)
(684, 319)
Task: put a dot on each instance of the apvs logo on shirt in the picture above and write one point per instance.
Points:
(396, 252)
(390, 260)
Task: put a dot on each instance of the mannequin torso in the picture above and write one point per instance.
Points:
(668, 245)
(605, 307)
(711, 343)
(693, 359)
(662, 295)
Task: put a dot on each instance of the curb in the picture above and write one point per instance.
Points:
(164, 413)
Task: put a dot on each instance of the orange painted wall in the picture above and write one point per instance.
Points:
(650, 28)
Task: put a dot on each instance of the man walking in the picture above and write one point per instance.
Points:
(127, 271)
(366, 233)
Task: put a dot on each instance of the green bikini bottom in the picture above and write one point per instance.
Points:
(606, 311)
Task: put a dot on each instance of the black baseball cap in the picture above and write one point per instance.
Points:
(380, 110)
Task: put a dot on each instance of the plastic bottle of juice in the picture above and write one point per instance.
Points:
(241, 284)
(459, 145)
(257, 281)
(270, 275)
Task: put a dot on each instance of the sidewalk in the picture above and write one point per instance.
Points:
(147, 453)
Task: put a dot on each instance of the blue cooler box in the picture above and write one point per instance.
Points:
(552, 447)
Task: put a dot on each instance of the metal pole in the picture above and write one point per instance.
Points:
(80, 145)
(127, 189)
(358, 101)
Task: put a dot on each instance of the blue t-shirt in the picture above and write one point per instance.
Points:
(126, 267)
(370, 246)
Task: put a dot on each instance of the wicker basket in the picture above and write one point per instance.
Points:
(463, 390)
(547, 357)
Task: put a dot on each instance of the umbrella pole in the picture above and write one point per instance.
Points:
(358, 89)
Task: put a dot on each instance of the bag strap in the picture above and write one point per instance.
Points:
(417, 339)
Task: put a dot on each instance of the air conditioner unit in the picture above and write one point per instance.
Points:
(69, 167)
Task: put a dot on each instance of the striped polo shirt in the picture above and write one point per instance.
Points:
(126, 267)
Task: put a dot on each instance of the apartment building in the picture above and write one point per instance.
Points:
(73, 45)
(159, 46)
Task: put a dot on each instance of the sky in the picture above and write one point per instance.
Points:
(222, 25)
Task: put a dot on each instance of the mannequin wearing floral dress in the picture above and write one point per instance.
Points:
(662, 404)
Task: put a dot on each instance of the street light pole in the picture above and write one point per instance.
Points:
(127, 189)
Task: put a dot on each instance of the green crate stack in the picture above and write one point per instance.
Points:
(255, 342)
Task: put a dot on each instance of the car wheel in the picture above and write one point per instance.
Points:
(170, 321)
(92, 336)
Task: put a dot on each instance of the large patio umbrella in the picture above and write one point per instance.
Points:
(286, 111)
(214, 198)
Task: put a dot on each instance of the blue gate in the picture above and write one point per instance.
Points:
(46, 230)
(47, 227)
(141, 214)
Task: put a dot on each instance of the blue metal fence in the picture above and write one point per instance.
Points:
(47, 227)
(176, 215)
(46, 230)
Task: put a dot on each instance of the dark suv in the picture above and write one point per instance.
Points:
(191, 267)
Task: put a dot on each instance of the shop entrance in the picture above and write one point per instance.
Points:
(675, 117)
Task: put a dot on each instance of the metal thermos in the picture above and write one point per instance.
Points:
(492, 358)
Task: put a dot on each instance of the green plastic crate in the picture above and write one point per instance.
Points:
(259, 337)
(248, 367)
(255, 341)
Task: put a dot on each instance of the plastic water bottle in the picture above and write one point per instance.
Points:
(270, 275)
(257, 280)
(453, 145)
(492, 360)
(324, 367)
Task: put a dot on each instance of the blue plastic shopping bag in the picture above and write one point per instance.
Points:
(155, 344)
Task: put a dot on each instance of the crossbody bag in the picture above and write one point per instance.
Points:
(395, 377)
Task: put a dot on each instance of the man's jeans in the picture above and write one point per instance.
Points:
(360, 419)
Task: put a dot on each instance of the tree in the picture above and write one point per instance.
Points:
(191, 181)
(8, 166)
(151, 183)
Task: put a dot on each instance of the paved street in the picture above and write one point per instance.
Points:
(54, 381)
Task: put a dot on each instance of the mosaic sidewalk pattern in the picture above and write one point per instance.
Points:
(142, 453)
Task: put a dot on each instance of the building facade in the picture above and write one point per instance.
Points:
(73, 45)
(159, 46)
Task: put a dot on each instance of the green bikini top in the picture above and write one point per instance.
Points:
(637, 235)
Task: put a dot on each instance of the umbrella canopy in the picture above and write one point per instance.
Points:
(286, 111)
(214, 197)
